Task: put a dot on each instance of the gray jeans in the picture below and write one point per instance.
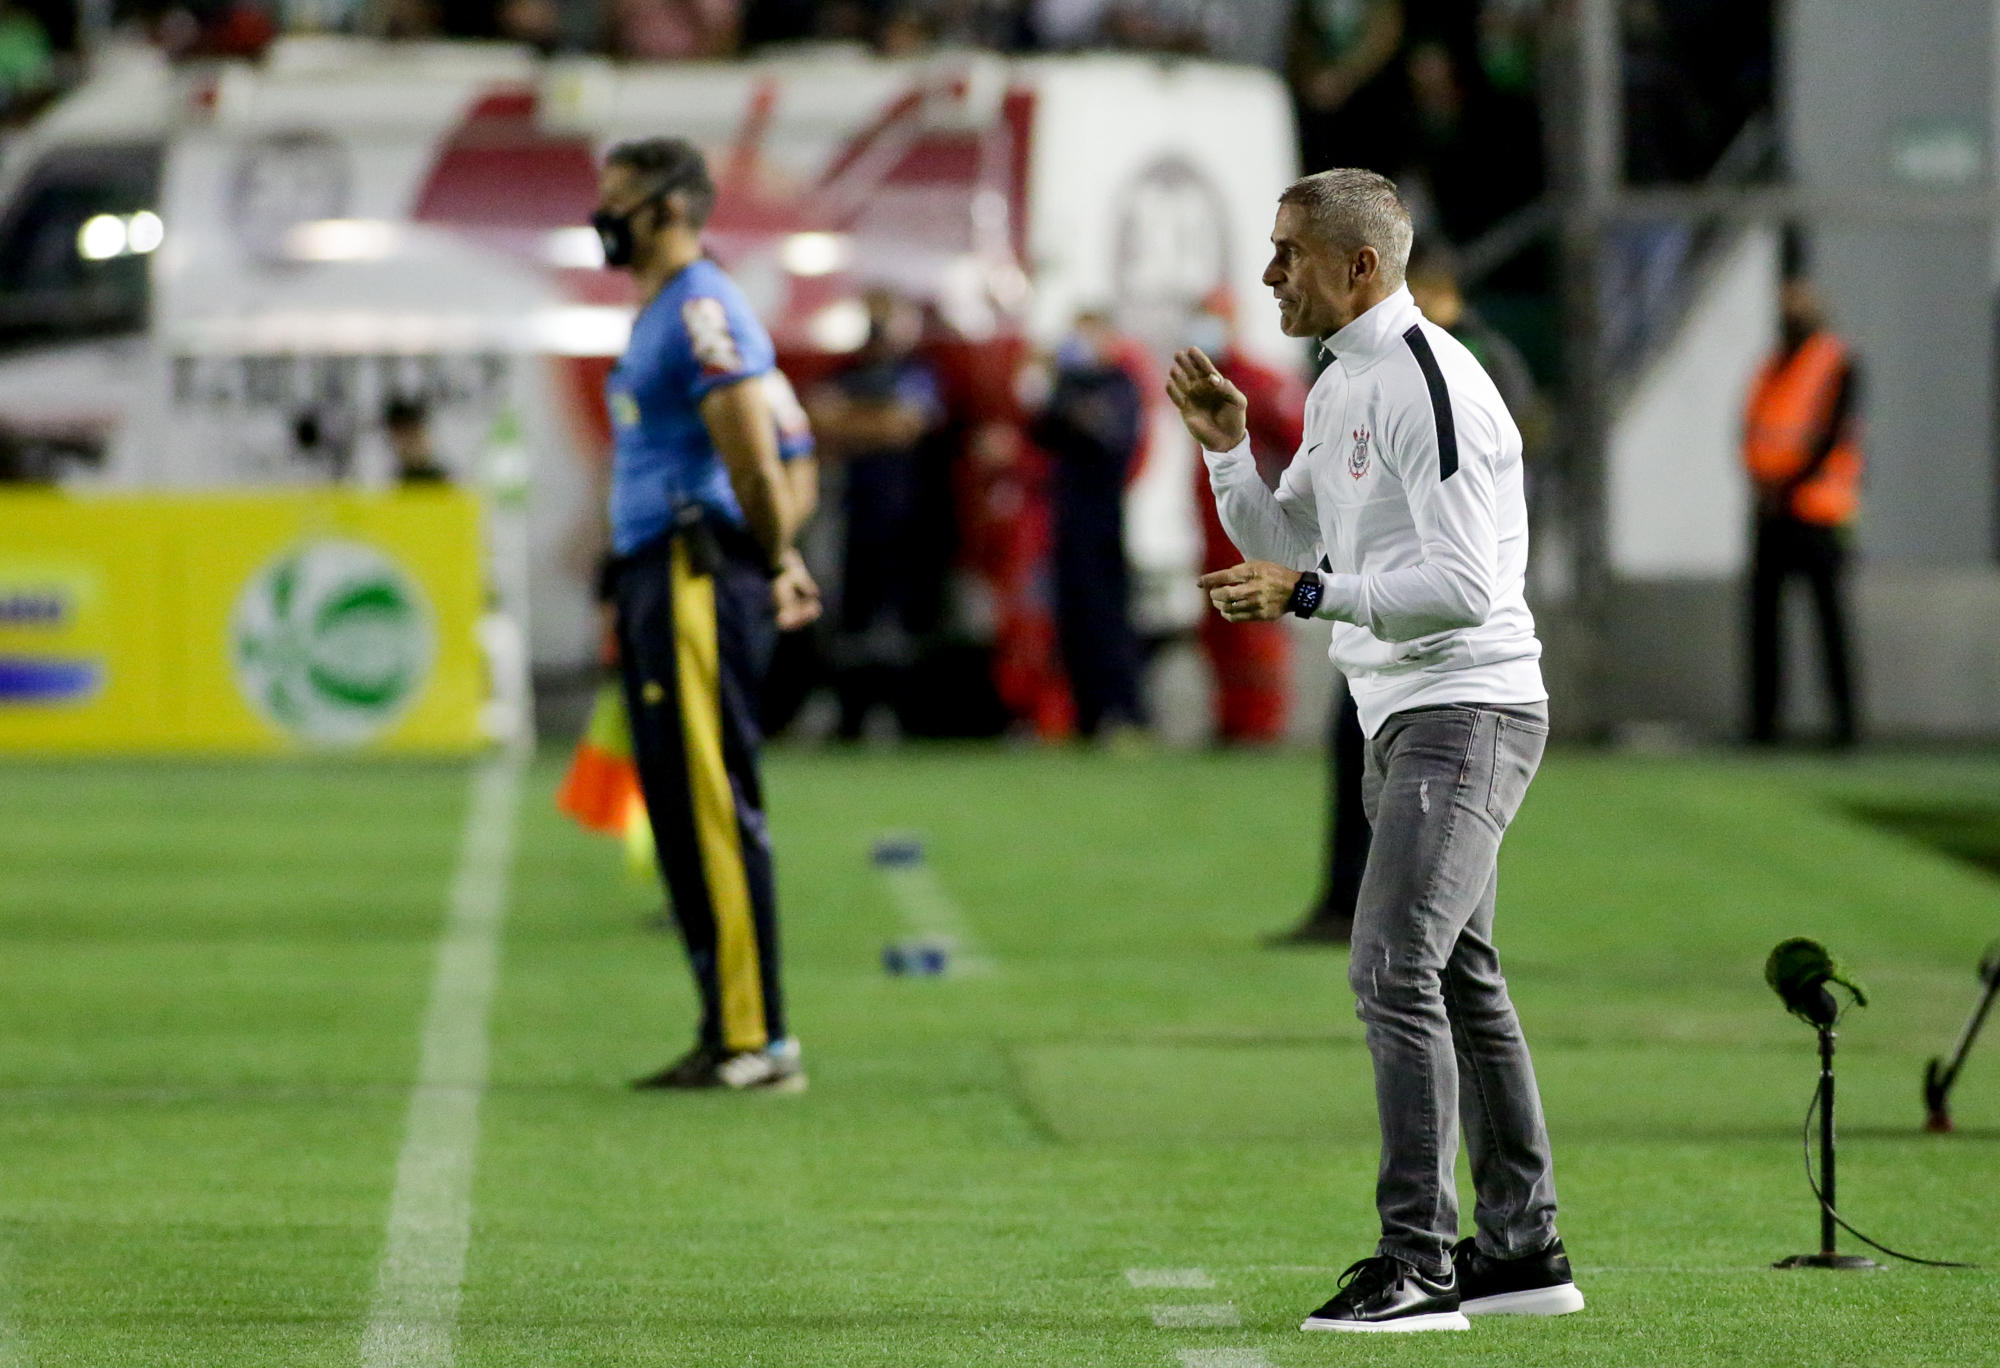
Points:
(1440, 786)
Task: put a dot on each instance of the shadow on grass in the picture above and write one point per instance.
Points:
(1965, 830)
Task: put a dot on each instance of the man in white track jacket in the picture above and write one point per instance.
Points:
(1407, 498)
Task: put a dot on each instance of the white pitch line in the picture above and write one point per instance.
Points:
(1169, 1277)
(1213, 1316)
(929, 913)
(1222, 1358)
(413, 1322)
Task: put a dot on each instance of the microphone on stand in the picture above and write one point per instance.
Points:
(1799, 971)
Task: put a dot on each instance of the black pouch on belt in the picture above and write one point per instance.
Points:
(609, 567)
(704, 555)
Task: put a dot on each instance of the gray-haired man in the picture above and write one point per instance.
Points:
(1407, 493)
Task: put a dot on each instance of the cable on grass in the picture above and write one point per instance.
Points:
(1812, 1181)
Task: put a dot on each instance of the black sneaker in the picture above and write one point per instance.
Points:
(1386, 1294)
(1532, 1285)
(695, 1069)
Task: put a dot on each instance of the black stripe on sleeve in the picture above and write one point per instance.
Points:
(1427, 362)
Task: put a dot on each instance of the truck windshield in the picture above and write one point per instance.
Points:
(75, 240)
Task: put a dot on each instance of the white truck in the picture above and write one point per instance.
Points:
(220, 275)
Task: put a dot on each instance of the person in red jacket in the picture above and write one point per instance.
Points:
(1251, 660)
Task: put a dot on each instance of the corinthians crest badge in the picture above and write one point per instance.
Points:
(1357, 460)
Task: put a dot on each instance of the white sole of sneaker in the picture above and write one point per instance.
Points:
(1436, 1320)
(784, 1083)
(1559, 1300)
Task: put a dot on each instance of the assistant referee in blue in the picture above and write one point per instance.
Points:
(704, 507)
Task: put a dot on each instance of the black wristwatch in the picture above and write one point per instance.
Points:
(1306, 595)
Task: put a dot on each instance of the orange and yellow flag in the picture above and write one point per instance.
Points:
(601, 790)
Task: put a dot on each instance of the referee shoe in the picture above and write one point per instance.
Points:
(776, 1068)
(1384, 1294)
(1533, 1285)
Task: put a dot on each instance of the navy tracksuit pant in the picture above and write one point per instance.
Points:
(695, 636)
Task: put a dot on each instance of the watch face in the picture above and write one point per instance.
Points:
(283, 181)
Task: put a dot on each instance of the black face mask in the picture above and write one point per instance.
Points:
(615, 232)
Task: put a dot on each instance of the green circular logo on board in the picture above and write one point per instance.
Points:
(332, 642)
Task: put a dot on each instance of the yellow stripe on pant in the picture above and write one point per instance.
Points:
(713, 802)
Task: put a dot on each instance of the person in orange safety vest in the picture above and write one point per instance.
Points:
(1802, 450)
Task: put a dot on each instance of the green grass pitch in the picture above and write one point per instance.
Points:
(212, 978)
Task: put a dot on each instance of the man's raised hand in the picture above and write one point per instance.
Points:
(1215, 411)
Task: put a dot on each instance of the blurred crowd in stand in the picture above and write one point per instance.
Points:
(1448, 88)
(1447, 97)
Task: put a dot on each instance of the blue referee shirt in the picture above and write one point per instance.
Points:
(697, 335)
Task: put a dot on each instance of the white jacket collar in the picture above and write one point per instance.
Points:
(1376, 331)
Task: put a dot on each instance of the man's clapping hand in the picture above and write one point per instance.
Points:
(1215, 411)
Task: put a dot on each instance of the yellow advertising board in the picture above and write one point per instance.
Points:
(253, 622)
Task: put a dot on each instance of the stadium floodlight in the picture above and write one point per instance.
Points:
(1939, 1076)
(144, 232)
(840, 327)
(577, 249)
(816, 254)
(342, 240)
(101, 237)
(1799, 971)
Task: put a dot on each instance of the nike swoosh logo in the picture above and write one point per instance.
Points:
(1314, 447)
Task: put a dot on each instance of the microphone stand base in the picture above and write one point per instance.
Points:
(1854, 1261)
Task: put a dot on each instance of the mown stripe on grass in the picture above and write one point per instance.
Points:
(413, 1321)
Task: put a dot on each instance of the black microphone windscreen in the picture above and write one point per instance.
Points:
(1799, 970)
